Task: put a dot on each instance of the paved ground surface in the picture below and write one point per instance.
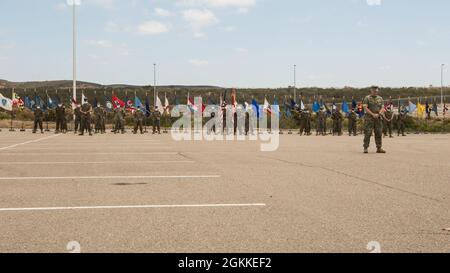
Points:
(315, 194)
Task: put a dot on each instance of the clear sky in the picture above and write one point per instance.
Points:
(230, 43)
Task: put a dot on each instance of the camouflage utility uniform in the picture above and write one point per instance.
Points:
(321, 122)
(86, 109)
(138, 121)
(401, 122)
(371, 124)
(387, 123)
(38, 117)
(352, 123)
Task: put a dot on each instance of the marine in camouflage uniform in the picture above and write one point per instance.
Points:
(64, 121)
(86, 110)
(138, 120)
(388, 120)
(321, 122)
(119, 120)
(156, 121)
(38, 118)
(374, 108)
(401, 121)
(60, 113)
(77, 113)
(337, 122)
(302, 120)
(352, 123)
(307, 115)
(99, 119)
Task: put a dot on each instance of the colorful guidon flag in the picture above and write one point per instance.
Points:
(117, 103)
(5, 103)
(267, 108)
(159, 105)
(166, 105)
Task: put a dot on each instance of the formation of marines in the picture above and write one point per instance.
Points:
(86, 118)
(378, 120)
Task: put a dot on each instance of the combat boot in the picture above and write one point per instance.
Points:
(366, 150)
(380, 151)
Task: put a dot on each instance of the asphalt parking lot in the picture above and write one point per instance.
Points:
(145, 193)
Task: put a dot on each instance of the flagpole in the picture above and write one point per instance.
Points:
(295, 83)
(442, 84)
(74, 55)
(154, 82)
(12, 111)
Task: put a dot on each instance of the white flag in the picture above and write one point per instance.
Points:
(160, 106)
(6, 103)
(267, 107)
(167, 105)
(83, 98)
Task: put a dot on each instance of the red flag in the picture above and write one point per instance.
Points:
(117, 103)
(192, 106)
(233, 98)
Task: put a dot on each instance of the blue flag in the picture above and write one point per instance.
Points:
(27, 102)
(411, 107)
(293, 103)
(137, 102)
(316, 106)
(345, 108)
(287, 108)
(50, 103)
(276, 107)
(40, 102)
(255, 107)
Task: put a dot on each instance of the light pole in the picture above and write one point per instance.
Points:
(154, 82)
(295, 83)
(442, 84)
(74, 3)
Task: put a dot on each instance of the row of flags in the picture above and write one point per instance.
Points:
(114, 102)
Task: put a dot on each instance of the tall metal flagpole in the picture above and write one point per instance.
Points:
(295, 83)
(74, 4)
(442, 84)
(154, 82)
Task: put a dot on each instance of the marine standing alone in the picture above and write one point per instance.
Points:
(374, 108)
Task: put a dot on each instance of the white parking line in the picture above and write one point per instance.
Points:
(132, 207)
(97, 162)
(97, 153)
(110, 177)
(27, 142)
